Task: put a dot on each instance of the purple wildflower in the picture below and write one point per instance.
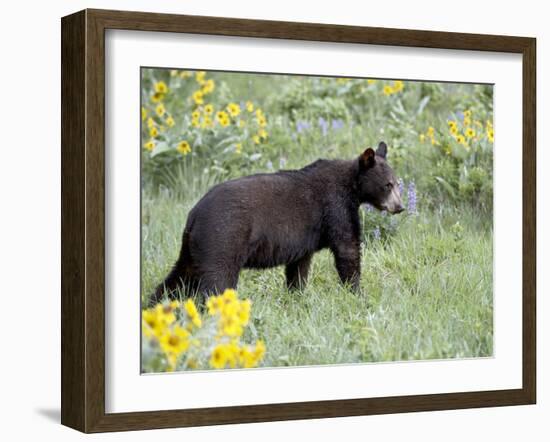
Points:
(337, 124)
(282, 162)
(323, 124)
(269, 165)
(302, 125)
(400, 185)
(376, 233)
(411, 198)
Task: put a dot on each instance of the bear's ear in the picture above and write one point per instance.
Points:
(366, 160)
(382, 150)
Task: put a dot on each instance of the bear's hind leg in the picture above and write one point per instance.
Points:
(348, 264)
(297, 273)
(215, 282)
(174, 281)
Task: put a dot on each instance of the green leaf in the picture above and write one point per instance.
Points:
(423, 104)
(160, 148)
(446, 185)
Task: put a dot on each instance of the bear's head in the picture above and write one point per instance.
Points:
(377, 183)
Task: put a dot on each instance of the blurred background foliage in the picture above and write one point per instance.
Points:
(214, 126)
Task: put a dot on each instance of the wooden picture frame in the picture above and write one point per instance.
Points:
(83, 220)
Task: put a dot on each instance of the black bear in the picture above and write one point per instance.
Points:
(282, 218)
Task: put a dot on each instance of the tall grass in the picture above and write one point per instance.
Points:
(426, 284)
(426, 291)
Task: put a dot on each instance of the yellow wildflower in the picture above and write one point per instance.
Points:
(208, 109)
(243, 313)
(371, 81)
(183, 147)
(170, 121)
(153, 132)
(256, 139)
(193, 313)
(143, 114)
(157, 97)
(233, 351)
(213, 305)
(195, 122)
(160, 87)
(234, 109)
(468, 113)
(223, 118)
(231, 326)
(198, 97)
(195, 115)
(155, 321)
(422, 137)
(174, 304)
(491, 135)
(229, 295)
(207, 122)
(259, 351)
(388, 90)
(190, 307)
(461, 139)
(452, 123)
(246, 358)
(454, 130)
(470, 133)
(175, 341)
(151, 323)
(238, 148)
(160, 110)
(150, 122)
(249, 106)
(467, 121)
(185, 74)
(208, 87)
(150, 145)
(262, 133)
(218, 359)
(261, 120)
(199, 76)
(398, 86)
(166, 313)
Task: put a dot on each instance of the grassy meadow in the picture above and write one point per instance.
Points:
(426, 284)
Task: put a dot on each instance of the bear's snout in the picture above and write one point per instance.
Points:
(398, 209)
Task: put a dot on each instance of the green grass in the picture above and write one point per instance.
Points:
(426, 291)
(426, 286)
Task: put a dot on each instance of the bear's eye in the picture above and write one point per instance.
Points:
(389, 186)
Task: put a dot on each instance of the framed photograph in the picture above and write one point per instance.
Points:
(269, 220)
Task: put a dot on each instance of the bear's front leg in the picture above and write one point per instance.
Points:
(296, 273)
(348, 264)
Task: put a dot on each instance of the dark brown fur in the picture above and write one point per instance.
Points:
(283, 218)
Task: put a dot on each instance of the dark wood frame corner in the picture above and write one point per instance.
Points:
(83, 217)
